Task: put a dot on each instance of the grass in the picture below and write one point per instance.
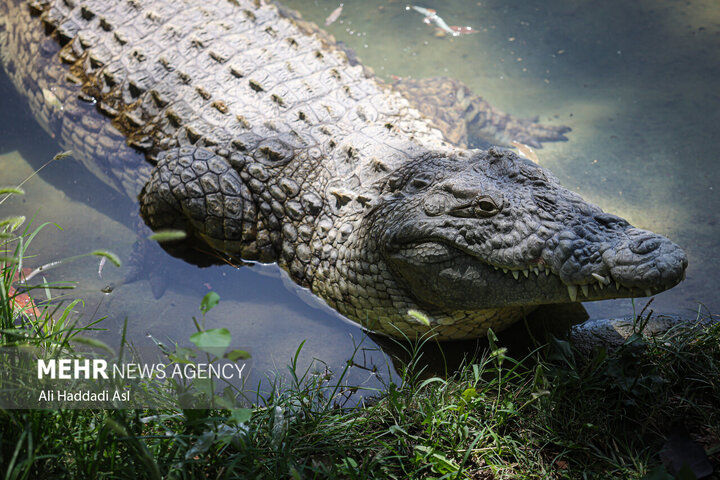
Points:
(553, 413)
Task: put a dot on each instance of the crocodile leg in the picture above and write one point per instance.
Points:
(466, 119)
(194, 190)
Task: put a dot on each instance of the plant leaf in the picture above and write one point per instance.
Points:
(212, 341)
(109, 255)
(468, 394)
(209, 301)
(61, 155)
(239, 416)
(12, 191)
(92, 342)
(12, 223)
(202, 445)
(235, 355)
(419, 317)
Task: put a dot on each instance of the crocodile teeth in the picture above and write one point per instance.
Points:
(547, 272)
(526, 273)
(600, 278)
(617, 285)
(536, 272)
(516, 274)
(585, 290)
(496, 267)
(648, 292)
(572, 291)
(505, 270)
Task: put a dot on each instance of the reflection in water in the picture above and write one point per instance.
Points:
(634, 81)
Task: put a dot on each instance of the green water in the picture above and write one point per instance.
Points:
(637, 83)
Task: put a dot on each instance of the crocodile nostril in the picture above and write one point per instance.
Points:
(644, 246)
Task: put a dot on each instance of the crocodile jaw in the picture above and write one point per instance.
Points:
(448, 277)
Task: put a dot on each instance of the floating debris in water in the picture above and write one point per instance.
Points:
(52, 100)
(526, 151)
(101, 265)
(431, 16)
(334, 15)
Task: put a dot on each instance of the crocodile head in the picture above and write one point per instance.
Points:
(492, 230)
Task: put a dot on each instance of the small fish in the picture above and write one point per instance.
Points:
(444, 26)
(431, 16)
(334, 15)
(526, 151)
(428, 12)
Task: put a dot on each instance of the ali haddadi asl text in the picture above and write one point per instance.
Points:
(83, 396)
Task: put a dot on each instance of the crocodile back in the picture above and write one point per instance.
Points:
(227, 75)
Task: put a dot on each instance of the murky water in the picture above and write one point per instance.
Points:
(637, 82)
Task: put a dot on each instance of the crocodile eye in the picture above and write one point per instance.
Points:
(485, 206)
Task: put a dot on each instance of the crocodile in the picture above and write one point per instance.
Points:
(255, 132)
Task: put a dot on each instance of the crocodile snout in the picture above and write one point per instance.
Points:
(646, 260)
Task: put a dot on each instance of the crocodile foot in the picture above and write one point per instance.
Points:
(466, 119)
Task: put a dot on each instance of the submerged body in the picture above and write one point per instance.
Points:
(254, 132)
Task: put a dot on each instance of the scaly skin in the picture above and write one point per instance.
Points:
(466, 119)
(253, 131)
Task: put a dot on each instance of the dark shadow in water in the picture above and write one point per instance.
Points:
(444, 358)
